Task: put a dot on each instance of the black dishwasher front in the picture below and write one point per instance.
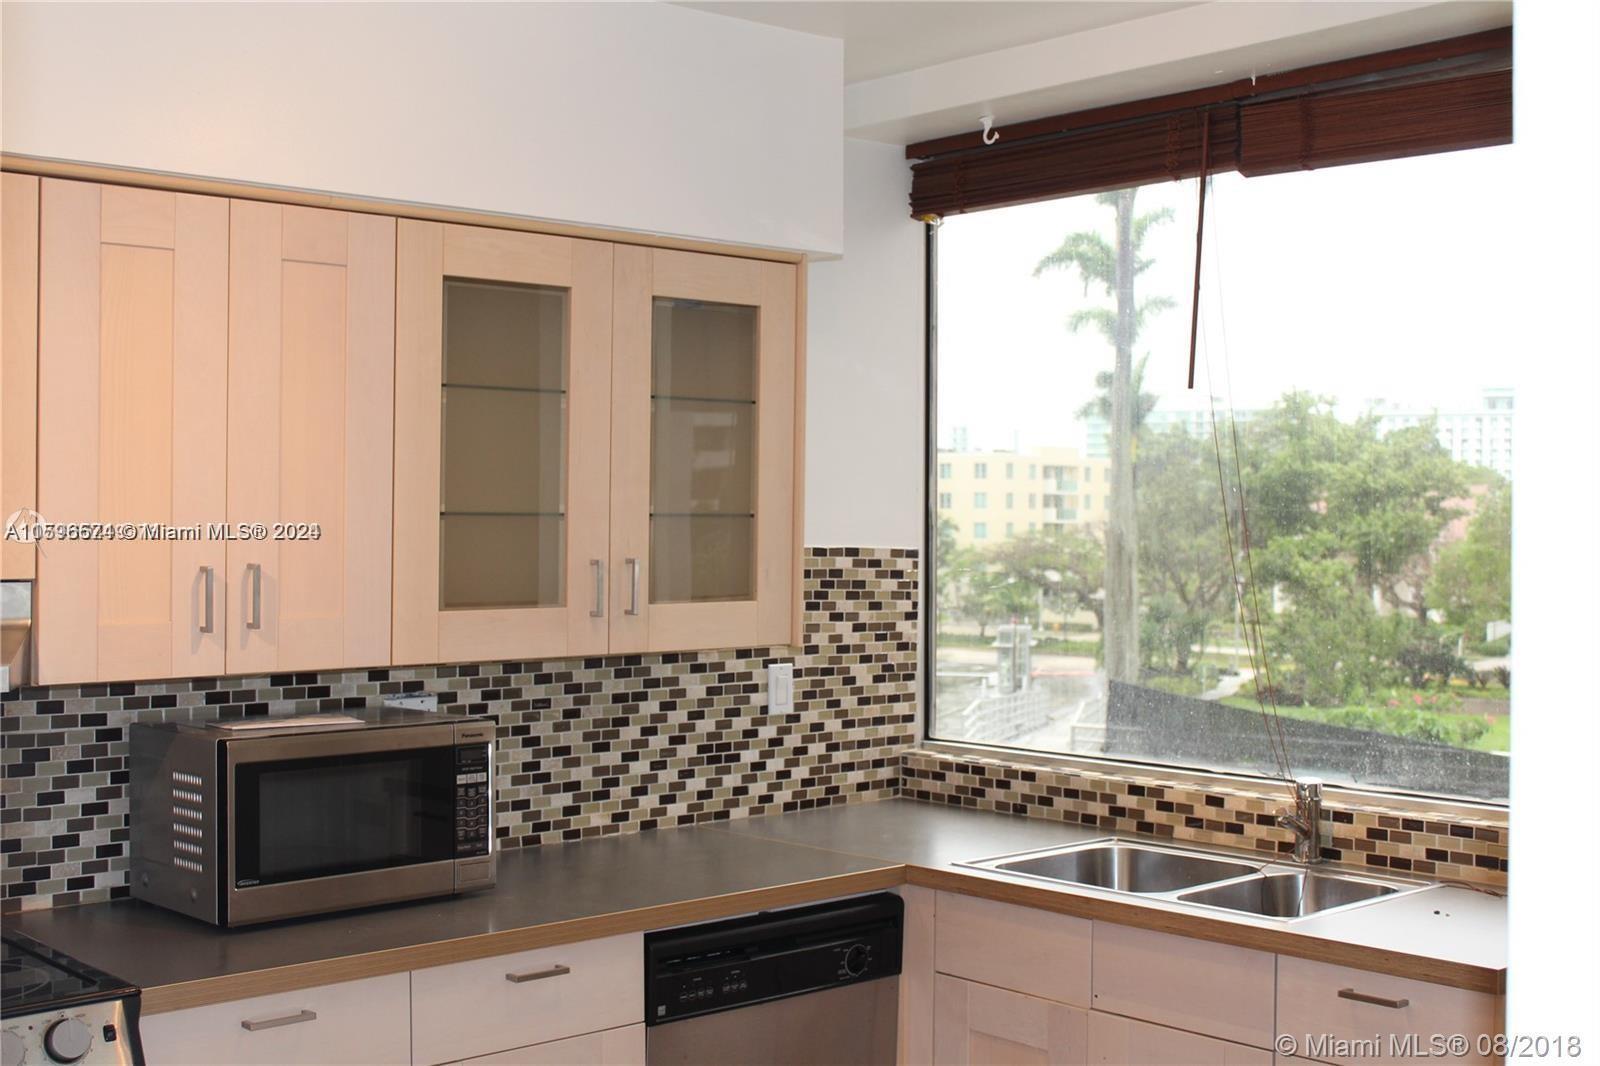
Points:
(815, 984)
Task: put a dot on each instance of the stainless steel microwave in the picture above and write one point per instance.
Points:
(250, 820)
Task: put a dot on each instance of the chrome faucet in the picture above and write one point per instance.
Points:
(1305, 822)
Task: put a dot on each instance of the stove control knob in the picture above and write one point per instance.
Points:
(12, 1049)
(67, 1040)
(855, 960)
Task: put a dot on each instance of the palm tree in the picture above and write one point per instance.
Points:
(1114, 265)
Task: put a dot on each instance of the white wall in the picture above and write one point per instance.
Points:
(864, 375)
(1553, 981)
(648, 117)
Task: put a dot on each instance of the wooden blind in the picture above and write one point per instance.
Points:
(1160, 148)
(1324, 130)
(1437, 97)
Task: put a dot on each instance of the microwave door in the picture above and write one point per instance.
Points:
(325, 822)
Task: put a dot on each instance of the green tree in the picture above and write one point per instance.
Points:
(1184, 577)
(1062, 570)
(977, 591)
(1380, 501)
(1471, 582)
(1338, 512)
(1114, 265)
(945, 574)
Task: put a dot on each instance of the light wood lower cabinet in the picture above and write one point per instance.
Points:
(1318, 999)
(1036, 952)
(133, 374)
(1195, 985)
(1118, 1041)
(985, 1026)
(490, 1005)
(614, 1047)
(331, 1025)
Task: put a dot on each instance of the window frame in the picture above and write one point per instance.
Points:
(1399, 800)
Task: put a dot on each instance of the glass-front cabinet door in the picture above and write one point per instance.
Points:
(502, 444)
(704, 451)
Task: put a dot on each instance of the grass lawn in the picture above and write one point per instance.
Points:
(1497, 738)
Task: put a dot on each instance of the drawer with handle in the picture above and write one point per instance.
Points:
(487, 1005)
(349, 1022)
(1318, 1001)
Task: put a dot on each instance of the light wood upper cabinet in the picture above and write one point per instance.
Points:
(502, 455)
(19, 361)
(310, 428)
(431, 442)
(703, 472)
(133, 305)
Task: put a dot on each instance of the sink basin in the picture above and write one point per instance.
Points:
(1126, 867)
(1288, 895)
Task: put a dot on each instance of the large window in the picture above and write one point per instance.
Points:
(1312, 545)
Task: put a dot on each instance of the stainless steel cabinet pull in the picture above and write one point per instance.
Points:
(254, 572)
(273, 1023)
(633, 587)
(599, 589)
(538, 975)
(1376, 1001)
(210, 594)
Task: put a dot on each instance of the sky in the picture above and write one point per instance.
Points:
(1383, 281)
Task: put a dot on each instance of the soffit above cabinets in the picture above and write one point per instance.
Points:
(915, 70)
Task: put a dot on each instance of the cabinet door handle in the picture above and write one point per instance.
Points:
(1376, 1001)
(273, 1023)
(209, 573)
(633, 587)
(599, 589)
(254, 574)
(538, 975)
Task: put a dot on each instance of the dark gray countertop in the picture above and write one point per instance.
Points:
(672, 876)
(1454, 925)
(153, 947)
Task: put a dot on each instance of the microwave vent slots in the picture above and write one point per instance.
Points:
(185, 829)
(181, 778)
(187, 813)
(183, 795)
(187, 864)
(188, 847)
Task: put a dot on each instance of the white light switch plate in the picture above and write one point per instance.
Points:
(780, 687)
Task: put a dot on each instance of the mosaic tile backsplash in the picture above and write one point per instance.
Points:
(586, 746)
(1382, 840)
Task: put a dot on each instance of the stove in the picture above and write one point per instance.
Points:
(58, 1010)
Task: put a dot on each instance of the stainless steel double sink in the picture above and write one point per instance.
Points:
(1263, 889)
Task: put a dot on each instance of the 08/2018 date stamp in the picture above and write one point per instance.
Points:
(30, 527)
(1335, 1047)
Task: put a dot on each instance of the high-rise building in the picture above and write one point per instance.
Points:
(992, 495)
(1480, 436)
(1194, 421)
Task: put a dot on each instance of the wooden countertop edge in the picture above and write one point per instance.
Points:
(182, 995)
(199, 993)
(1220, 930)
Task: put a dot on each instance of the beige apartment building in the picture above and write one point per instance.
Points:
(998, 494)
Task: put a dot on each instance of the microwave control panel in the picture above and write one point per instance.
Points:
(472, 800)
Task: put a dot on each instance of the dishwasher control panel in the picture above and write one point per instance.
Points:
(734, 963)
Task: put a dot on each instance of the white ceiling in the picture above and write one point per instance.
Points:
(916, 69)
(893, 36)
